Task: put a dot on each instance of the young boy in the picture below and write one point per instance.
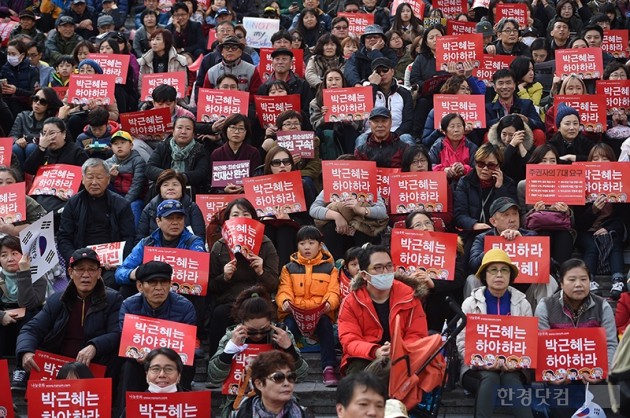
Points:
(64, 67)
(97, 135)
(127, 172)
(309, 281)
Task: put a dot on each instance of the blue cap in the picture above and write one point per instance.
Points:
(169, 207)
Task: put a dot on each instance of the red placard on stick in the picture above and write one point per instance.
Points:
(551, 184)
(191, 269)
(616, 42)
(516, 11)
(501, 339)
(5, 31)
(458, 49)
(6, 150)
(383, 181)
(457, 27)
(491, 64)
(307, 319)
(229, 172)
(243, 236)
(87, 87)
(113, 64)
(611, 179)
(300, 143)
(586, 63)
(240, 362)
(211, 204)
(591, 107)
(110, 253)
(418, 7)
(6, 399)
(141, 334)
(432, 251)
(471, 107)
(572, 353)
(265, 69)
(344, 180)
(269, 107)
(451, 7)
(178, 404)
(617, 93)
(70, 398)
(348, 103)
(49, 365)
(530, 254)
(276, 194)
(13, 203)
(427, 190)
(152, 123)
(175, 79)
(61, 180)
(219, 104)
(358, 21)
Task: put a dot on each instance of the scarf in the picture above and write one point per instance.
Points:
(290, 410)
(10, 295)
(179, 155)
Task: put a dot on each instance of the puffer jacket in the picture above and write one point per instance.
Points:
(175, 308)
(24, 77)
(25, 125)
(131, 182)
(176, 62)
(387, 153)
(194, 218)
(513, 164)
(309, 283)
(443, 155)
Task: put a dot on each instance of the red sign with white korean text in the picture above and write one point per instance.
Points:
(616, 42)
(418, 7)
(358, 21)
(6, 400)
(457, 27)
(490, 64)
(5, 31)
(586, 63)
(530, 254)
(345, 180)
(307, 319)
(501, 340)
(191, 269)
(611, 179)
(113, 64)
(471, 107)
(70, 398)
(212, 36)
(49, 365)
(383, 176)
(572, 353)
(300, 143)
(240, 362)
(348, 103)
(269, 107)
(141, 334)
(61, 180)
(276, 194)
(591, 107)
(427, 190)
(13, 203)
(219, 104)
(433, 252)
(84, 88)
(151, 124)
(110, 253)
(551, 184)
(243, 236)
(451, 7)
(617, 93)
(211, 204)
(344, 285)
(175, 79)
(178, 404)
(516, 11)
(6, 150)
(229, 172)
(265, 69)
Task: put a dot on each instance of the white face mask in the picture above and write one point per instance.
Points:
(382, 281)
(13, 60)
(153, 388)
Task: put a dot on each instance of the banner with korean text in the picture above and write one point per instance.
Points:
(530, 254)
(345, 180)
(348, 103)
(113, 64)
(61, 180)
(269, 107)
(6, 400)
(617, 93)
(211, 204)
(591, 107)
(426, 190)
(175, 79)
(456, 27)
(72, 398)
(611, 179)
(300, 143)
(276, 194)
(586, 63)
(219, 104)
(240, 362)
(491, 64)
(451, 7)
(110, 253)
(518, 11)
(49, 365)
(6, 150)
(307, 319)
(191, 269)
(551, 184)
(358, 21)
(265, 69)
(458, 49)
(471, 107)
(229, 172)
(615, 42)
(141, 334)
(434, 252)
(85, 88)
(243, 236)
(148, 124)
(13, 203)
(162, 405)
(383, 176)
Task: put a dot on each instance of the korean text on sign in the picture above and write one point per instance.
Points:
(113, 64)
(240, 362)
(471, 107)
(418, 191)
(607, 178)
(530, 254)
(276, 194)
(13, 203)
(191, 269)
(152, 123)
(175, 79)
(61, 180)
(617, 93)
(229, 172)
(458, 49)
(551, 184)
(434, 252)
(300, 143)
(219, 104)
(345, 180)
(592, 110)
(110, 253)
(269, 107)
(85, 88)
(349, 103)
(163, 405)
(211, 204)
(86, 398)
(586, 63)
(382, 182)
(243, 236)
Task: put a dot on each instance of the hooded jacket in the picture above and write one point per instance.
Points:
(513, 164)
(387, 153)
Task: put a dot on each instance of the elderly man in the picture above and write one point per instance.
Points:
(361, 395)
(84, 18)
(63, 40)
(383, 146)
(231, 50)
(81, 322)
(27, 27)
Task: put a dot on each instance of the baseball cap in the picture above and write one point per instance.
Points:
(281, 51)
(485, 28)
(169, 207)
(223, 11)
(84, 254)
(104, 20)
(154, 270)
(65, 20)
(27, 13)
(382, 62)
(78, 1)
(122, 135)
(502, 204)
(380, 111)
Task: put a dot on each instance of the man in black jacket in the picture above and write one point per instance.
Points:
(187, 35)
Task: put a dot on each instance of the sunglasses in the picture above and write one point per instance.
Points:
(284, 161)
(256, 332)
(482, 165)
(40, 100)
(279, 377)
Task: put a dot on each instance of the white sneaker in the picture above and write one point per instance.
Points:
(616, 290)
(595, 289)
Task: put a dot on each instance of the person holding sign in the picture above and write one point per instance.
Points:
(571, 143)
(495, 297)
(34, 210)
(161, 57)
(281, 61)
(516, 140)
(383, 145)
(508, 43)
(453, 153)
(373, 46)
(231, 50)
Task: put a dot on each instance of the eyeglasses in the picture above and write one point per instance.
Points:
(419, 161)
(291, 125)
(425, 224)
(380, 268)
(180, 15)
(42, 101)
(89, 270)
(278, 163)
(343, 27)
(493, 271)
(230, 47)
(256, 332)
(237, 128)
(49, 133)
(482, 165)
(168, 370)
(510, 31)
(279, 377)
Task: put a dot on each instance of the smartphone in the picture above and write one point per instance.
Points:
(294, 4)
(3, 81)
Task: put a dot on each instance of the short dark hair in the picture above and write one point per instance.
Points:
(167, 37)
(366, 255)
(286, 115)
(37, 45)
(347, 385)
(164, 93)
(593, 26)
(98, 117)
(170, 174)
(268, 362)
(11, 242)
(540, 152)
(168, 353)
(179, 6)
(614, 66)
(410, 154)
(80, 370)
(309, 232)
(510, 120)
(270, 156)
(66, 59)
(571, 264)
(243, 204)
(233, 120)
(503, 73)
(253, 303)
(281, 34)
(410, 216)
(448, 118)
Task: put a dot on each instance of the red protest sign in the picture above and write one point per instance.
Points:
(113, 64)
(229, 172)
(586, 63)
(217, 104)
(300, 143)
(141, 334)
(211, 204)
(61, 180)
(212, 36)
(458, 49)
(418, 7)
(611, 179)
(110, 253)
(383, 180)
(84, 88)
(5, 31)
(344, 286)
(49, 365)
(13, 203)
(551, 184)
(426, 190)
(61, 92)
(307, 319)
(344, 180)
(457, 27)
(6, 150)
(243, 236)
(191, 269)
(152, 123)
(493, 340)
(175, 79)
(269, 107)
(276, 194)
(591, 107)
(434, 252)
(615, 42)
(471, 107)
(265, 69)
(516, 11)
(451, 7)
(348, 103)
(572, 353)
(178, 404)
(490, 64)
(358, 21)
(617, 93)
(6, 399)
(240, 362)
(70, 398)
(530, 254)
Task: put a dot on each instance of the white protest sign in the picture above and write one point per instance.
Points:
(259, 31)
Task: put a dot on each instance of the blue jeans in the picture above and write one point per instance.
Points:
(136, 208)
(407, 138)
(324, 332)
(23, 153)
